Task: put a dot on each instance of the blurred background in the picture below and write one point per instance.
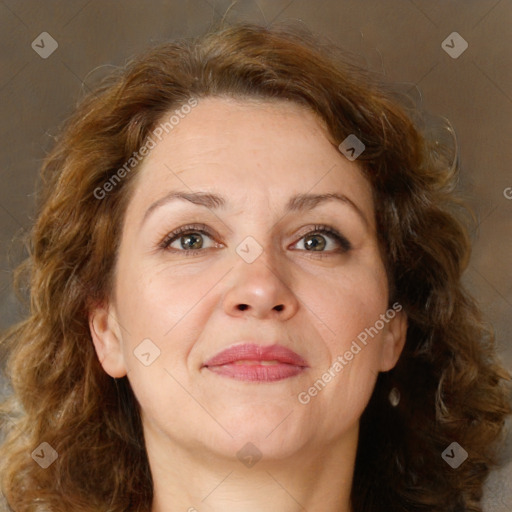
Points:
(453, 56)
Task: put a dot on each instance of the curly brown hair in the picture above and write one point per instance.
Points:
(452, 386)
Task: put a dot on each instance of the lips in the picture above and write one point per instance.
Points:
(253, 362)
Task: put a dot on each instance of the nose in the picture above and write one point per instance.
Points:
(261, 289)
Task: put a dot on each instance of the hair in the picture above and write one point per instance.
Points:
(452, 386)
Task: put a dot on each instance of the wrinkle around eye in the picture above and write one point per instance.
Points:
(325, 232)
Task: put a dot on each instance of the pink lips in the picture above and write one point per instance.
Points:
(257, 363)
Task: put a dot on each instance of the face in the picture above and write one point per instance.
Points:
(254, 258)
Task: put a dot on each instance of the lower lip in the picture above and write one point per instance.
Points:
(257, 372)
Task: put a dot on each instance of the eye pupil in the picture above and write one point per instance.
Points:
(195, 240)
(311, 243)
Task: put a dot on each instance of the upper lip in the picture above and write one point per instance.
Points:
(255, 352)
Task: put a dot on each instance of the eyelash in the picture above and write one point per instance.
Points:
(203, 230)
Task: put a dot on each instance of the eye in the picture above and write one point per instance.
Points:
(187, 239)
(190, 240)
(317, 240)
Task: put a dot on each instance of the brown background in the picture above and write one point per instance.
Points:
(400, 38)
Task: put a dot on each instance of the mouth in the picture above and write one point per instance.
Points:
(256, 363)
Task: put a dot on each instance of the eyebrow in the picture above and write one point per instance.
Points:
(297, 203)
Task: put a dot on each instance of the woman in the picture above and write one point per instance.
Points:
(246, 295)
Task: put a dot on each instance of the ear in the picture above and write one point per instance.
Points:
(106, 337)
(393, 338)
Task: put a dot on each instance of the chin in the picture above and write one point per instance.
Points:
(272, 429)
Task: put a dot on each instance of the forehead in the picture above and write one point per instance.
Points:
(245, 147)
(224, 126)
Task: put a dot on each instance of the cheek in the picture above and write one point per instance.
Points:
(350, 306)
(159, 315)
(347, 302)
(162, 305)
(155, 299)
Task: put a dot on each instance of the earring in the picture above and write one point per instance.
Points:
(394, 397)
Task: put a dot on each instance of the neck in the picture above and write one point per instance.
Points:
(316, 479)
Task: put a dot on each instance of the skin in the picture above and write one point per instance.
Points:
(256, 154)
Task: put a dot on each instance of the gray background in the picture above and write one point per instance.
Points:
(400, 38)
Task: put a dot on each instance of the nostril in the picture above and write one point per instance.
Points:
(243, 307)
